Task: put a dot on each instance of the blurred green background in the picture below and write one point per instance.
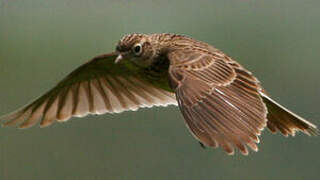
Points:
(42, 41)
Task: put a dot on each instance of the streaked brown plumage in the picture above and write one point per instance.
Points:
(223, 104)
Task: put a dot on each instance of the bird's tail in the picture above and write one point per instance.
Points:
(280, 118)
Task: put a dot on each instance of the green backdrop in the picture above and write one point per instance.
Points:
(42, 41)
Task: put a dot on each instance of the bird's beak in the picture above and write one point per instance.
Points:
(118, 59)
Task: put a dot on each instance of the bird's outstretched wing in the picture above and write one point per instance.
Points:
(218, 98)
(98, 86)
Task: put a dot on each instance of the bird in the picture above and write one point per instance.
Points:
(222, 103)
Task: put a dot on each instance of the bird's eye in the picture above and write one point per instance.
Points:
(137, 49)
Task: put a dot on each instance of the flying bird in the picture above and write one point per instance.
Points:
(222, 103)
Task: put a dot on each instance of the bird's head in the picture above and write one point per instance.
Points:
(139, 48)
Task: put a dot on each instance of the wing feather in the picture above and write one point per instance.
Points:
(97, 87)
(65, 109)
(219, 100)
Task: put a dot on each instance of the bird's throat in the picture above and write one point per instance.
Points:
(157, 73)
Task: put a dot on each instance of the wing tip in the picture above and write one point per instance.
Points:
(10, 119)
(312, 131)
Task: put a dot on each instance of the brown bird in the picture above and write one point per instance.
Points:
(222, 103)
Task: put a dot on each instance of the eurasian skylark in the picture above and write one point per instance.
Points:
(222, 103)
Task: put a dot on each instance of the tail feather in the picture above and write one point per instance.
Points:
(285, 121)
